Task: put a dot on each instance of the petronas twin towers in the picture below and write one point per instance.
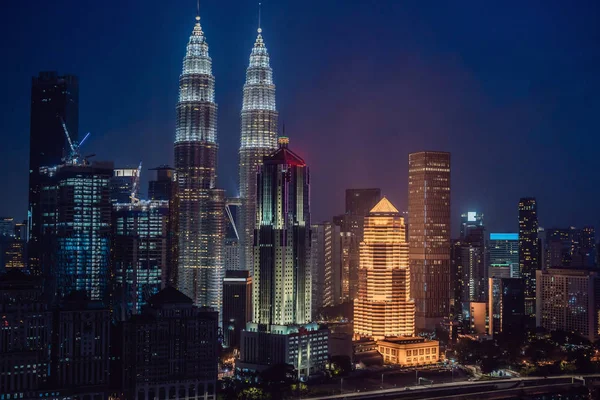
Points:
(199, 205)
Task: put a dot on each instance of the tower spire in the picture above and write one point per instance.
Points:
(259, 10)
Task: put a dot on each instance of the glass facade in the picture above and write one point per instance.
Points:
(429, 235)
(529, 251)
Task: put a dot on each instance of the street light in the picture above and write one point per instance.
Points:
(382, 381)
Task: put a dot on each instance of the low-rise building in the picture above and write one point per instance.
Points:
(409, 351)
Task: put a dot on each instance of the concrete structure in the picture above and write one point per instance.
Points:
(569, 300)
(383, 306)
(429, 236)
(409, 351)
(475, 314)
(170, 350)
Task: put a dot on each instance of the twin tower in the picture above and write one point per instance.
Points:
(199, 205)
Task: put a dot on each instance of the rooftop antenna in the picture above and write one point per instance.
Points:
(259, 9)
(197, 11)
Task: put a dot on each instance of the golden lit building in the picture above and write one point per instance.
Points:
(383, 306)
(409, 351)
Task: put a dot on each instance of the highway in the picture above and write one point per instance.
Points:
(500, 388)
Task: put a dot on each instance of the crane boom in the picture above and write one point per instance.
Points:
(62, 121)
(136, 185)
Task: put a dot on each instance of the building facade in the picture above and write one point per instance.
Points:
(122, 184)
(76, 208)
(503, 252)
(529, 251)
(569, 300)
(258, 139)
(383, 306)
(54, 98)
(506, 306)
(232, 235)
(429, 235)
(199, 219)
(282, 274)
(409, 351)
(170, 350)
(317, 262)
(332, 284)
(237, 305)
(139, 257)
(160, 186)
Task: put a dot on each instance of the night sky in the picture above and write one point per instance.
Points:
(510, 89)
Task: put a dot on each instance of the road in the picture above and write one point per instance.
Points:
(498, 388)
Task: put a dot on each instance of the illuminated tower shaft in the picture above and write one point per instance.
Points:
(200, 205)
(258, 139)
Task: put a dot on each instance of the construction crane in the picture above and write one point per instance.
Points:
(136, 186)
(74, 156)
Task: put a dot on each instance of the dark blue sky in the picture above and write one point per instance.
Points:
(509, 88)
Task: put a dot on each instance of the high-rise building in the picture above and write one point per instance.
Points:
(506, 306)
(237, 305)
(332, 284)
(503, 254)
(469, 260)
(569, 300)
(76, 210)
(282, 274)
(139, 256)
(7, 227)
(384, 307)
(528, 250)
(81, 340)
(317, 262)
(429, 235)
(170, 350)
(160, 185)
(25, 335)
(232, 235)
(199, 220)
(54, 99)
(258, 139)
(122, 184)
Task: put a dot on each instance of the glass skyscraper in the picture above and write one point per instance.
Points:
(429, 235)
(139, 254)
(529, 252)
(258, 139)
(53, 98)
(75, 203)
(282, 274)
(199, 217)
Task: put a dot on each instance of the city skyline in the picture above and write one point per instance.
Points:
(139, 119)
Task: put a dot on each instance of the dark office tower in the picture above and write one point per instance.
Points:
(528, 250)
(237, 305)
(429, 235)
(258, 139)
(317, 263)
(139, 254)
(80, 347)
(473, 266)
(160, 186)
(25, 335)
(282, 277)
(53, 98)
(121, 184)
(170, 350)
(76, 208)
(200, 218)
(358, 204)
(506, 303)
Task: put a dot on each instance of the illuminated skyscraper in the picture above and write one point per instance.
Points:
(383, 306)
(200, 206)
(53, 98)
(529, 253)
(429, 235)
(139, 254)
(282, 277)
(258, 139)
